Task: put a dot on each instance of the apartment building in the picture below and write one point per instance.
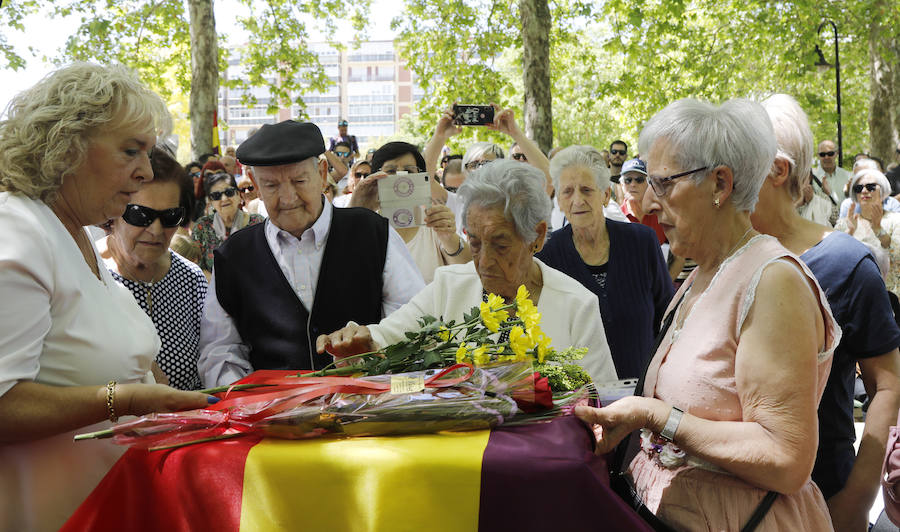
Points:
(372, 90)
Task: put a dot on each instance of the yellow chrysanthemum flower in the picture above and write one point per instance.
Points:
(494, 301)
(444, 334)
(530, 316)
(541, 342)
(461, 353)
(492, 318)
(480, 356)
(522, 296)
(519, 342)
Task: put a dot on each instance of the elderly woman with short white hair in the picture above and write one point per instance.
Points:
(505, 209)
(868, 222)
(728, 406)
(621, 263)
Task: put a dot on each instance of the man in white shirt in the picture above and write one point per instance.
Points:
(832, 176)
(313, 267)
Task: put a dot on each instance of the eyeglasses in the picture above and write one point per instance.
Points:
(140, 216)
(245, 189)
(195, 174)
(639, 180)
(451, 189)
(868, 186)
(618, 152)
(342, 153)
(660, 184)
(520, 157)
(361, 175)
(826, 154)
(391, 170)
(229, 192)
(474, 165)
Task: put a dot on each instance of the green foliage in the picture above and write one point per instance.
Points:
(615, 63)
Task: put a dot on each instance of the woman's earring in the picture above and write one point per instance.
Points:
(716, 203)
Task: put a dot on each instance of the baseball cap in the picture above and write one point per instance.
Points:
(634, 165)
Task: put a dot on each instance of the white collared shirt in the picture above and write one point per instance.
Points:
(224, 358)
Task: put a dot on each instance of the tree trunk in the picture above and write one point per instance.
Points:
(204, 76)
(882, 94)
(536, 21)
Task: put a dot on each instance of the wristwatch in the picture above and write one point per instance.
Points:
(668, 432)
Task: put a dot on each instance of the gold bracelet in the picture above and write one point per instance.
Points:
(110, 401)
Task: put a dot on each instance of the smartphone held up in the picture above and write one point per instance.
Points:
(472, 115)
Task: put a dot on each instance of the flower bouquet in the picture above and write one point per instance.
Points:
(445, 376)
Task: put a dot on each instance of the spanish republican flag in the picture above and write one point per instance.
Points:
(215, 136)
(541, 476)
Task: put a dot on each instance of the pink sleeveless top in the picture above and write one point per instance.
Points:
(693, 369)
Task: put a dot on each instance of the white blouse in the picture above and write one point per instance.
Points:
(59, 325)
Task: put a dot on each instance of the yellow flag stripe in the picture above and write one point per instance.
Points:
(428, 482)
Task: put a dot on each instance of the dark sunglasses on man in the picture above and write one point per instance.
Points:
(246, 189)
(520, 157)
(361, 175)
(868, 186)
(229, 192)
(342, 153)
(826, 154)
(195, 174)
(639, 180)
(140, 216)
(618, 152)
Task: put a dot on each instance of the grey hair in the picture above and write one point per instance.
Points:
(880, 180)
(478, 149)
(580, 156)
(736, 134)
(51, 125)
(212, 180)
(865, 164)
(519, 189)
(795, 139)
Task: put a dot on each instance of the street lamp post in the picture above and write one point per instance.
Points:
(823, 64)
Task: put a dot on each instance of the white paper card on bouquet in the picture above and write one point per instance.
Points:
(404, 198)
(407, 384)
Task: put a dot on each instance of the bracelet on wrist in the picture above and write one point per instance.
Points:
(462, 244)
(668, 432)
(111, 401)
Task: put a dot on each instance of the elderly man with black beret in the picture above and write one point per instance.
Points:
(312, 268)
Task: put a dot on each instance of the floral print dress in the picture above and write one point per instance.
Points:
(204, 234)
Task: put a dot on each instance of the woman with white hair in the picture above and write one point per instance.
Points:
(847, 273)
(621, 263)
(888, 202)
(506, 211)
(868, 222)
(727, 411)
(75, 348)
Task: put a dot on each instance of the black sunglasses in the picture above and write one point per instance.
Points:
(618, 152)
(195, 174)
(245, 189)
(216, 196)
(639, 180)
(868, 186)
(520, 157)
(140, 216)
(341, 153)
(826, 154)
(361, 175)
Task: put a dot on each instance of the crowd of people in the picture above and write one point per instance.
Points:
(753, 293)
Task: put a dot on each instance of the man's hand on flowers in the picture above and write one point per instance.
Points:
(351, 340)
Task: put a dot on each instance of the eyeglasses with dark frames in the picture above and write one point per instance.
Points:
(229, 192)
(140, 216)
(660, 184)
(868, 186)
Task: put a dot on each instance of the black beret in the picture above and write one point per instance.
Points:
(282, 143)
